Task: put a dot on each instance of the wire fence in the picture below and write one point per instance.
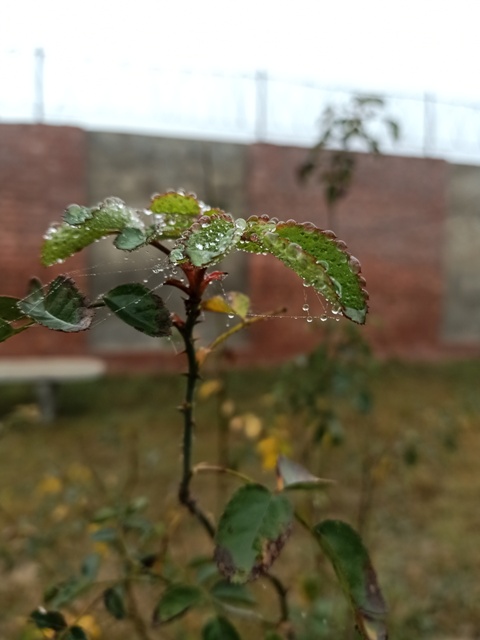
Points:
(144, 98)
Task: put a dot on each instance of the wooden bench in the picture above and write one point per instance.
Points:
(46, 373)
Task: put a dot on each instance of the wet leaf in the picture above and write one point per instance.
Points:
(61, 307)
(114, 601)
(208, 240)
(9, 309)
(6, 330)
(231, 593)
(75, 214)
(175, 212)
(219, 628)
(316, 256)
(349, 557)
(239, 302)
(251, 533)
(175, 203)
(140, 308)
(48, 619)
(86, 225)
(292, 476)
(130, 238)
(175, 602)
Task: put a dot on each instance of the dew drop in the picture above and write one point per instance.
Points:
(306, 307)
(323, 318)
(309, 319)
(231, 316)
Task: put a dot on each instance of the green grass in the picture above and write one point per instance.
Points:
(412, 463)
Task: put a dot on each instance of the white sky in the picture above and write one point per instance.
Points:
(377, 45)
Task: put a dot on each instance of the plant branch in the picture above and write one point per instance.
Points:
(282, 594)
(192, 307)
(206, 468)
(241, 325)
(161, 247)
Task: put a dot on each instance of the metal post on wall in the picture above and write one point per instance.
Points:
(39, 78)
(261, 115)
(428, 124)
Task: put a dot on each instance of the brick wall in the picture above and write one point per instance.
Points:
(392, 220)
(41, 170)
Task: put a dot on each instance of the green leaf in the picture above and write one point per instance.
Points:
(62, 307)
(349, 557)
(140, 308)
(130, 238)
(205, 569)
(9, 309)
(63, 593)
(48, 619)
(90, 566)
(251, 533)
(114, 601)
(175, 203)
(316, 256)
(104, 513)
(107, 534)
(219, 628)
(232, 593)
(175, 212)
(175, 602)
(82, 226)
(75, 633)
(6, 330)
(75, 214)
(208, 240)
(292, 476)
(239, 302)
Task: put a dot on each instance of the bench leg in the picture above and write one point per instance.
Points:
(46, 397)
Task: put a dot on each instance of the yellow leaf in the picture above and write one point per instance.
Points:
(90, 625)
(49, 485)
(252, 426)
(228, 408)
(209, 388)
(217, 304)
(59, 513)
(269, 449)
(79, 473)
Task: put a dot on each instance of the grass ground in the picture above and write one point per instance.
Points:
(407, 474)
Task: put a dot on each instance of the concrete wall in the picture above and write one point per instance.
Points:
(461, 317)
(135, 167)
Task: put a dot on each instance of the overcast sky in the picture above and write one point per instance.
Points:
(380, 45)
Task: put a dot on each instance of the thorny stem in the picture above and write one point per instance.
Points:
(192, 306)
(193, 310)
